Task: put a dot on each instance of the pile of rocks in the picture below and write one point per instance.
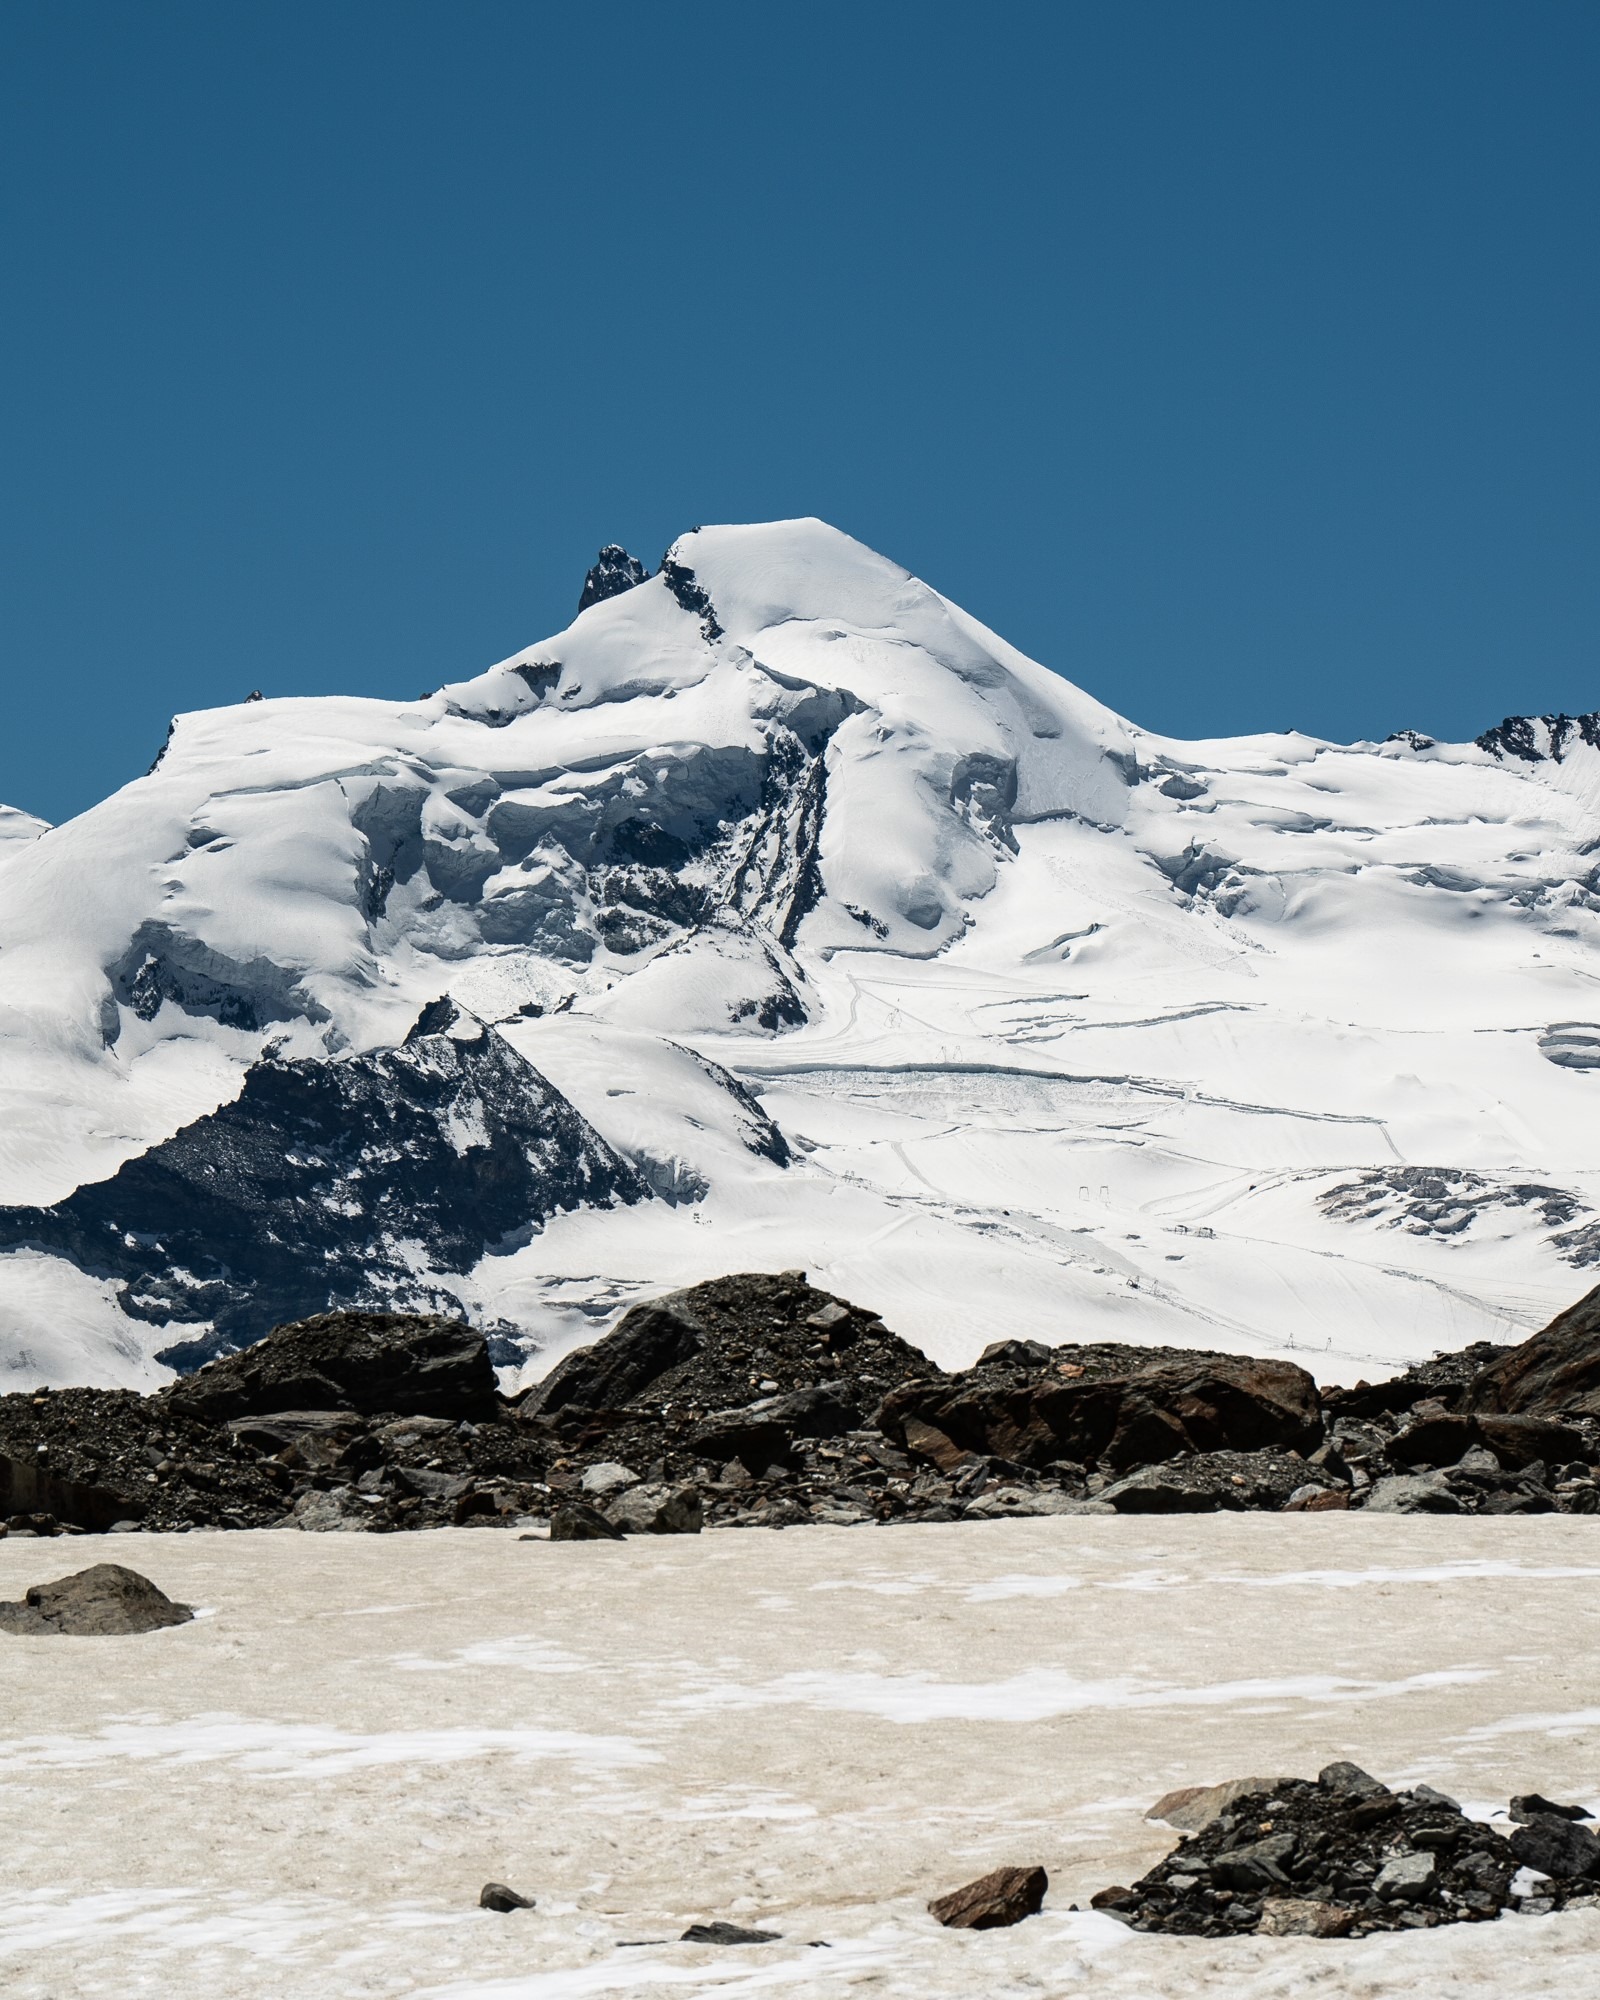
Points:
(760, 1400)
(1345, 1855)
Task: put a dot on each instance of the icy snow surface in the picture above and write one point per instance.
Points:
(1071, 1030)
(303, 1791)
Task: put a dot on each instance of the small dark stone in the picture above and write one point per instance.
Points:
(496, 1896)
(725, 1933)
(1345, 1777)
(994, 1902)
(576, 1521)
(1531, 1805)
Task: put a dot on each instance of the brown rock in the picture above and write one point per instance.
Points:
(929, 1442)
(1143, 1415)
(496, 1896)
(1193, 1807)
(1556, 1372)
(1298, 1916)
(996, 1900)
(103, 1602)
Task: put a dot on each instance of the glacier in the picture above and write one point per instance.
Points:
(839, 935)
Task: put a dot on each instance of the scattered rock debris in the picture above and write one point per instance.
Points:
(759, 1400)
(1345, 1855)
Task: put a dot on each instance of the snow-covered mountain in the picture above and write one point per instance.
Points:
(813, 926)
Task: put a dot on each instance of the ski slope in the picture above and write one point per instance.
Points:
(1071, 1030)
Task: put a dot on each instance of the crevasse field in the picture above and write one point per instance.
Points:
(1073, 1031)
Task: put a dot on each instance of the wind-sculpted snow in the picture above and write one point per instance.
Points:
(875, 949)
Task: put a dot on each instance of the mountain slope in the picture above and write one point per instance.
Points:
(1067, 1028)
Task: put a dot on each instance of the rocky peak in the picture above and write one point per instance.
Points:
(614, 572)
(1536, 738)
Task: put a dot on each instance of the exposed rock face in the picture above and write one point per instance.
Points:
(367, 1362)
(994, 1902)
(614, 572)
(1121, 1408)
(316, 1186)
(102, 1602)
(1556, 1373)
(1534, 738)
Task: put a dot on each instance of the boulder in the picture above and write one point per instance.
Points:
(1405, 1879)
(657, 1509)
(496, 1896)
(607, 1477)
(1515, 1441)
(102, 1602)
(994, 1902)
(826, 1410)
(1356, 1783)
(371, 1363)
(1195, 1806)
(1141, 1416)
(1555, 1846)
(1532, 1805)
(1412, 1493)
(337, 1511)
(1555, 1373)
(646, 1342)
(1301, 1916)
(752, 1436)
(576, 1521)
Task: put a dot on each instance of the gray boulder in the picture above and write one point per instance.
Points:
(103, 1602)
(652, 1509)
(1412, 1493)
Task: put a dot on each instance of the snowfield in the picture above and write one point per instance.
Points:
(1070, 1030)
(304, 1790)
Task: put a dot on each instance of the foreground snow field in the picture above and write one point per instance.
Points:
(302, 1791)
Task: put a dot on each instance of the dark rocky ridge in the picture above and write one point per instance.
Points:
(303, 1193)
(1536, 737)
(760, 1400)
(614, 572)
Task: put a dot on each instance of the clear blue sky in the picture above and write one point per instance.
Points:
(1237, 360)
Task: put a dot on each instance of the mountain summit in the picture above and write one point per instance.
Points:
(837, 934)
